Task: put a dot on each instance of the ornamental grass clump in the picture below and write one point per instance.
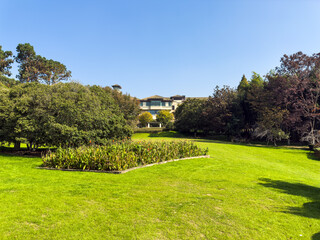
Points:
(121, 155)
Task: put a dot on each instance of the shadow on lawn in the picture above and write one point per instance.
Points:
(245, 144)
(309, 209)
(305, 152)
(316, 236)
(169, 134)
(312, 156)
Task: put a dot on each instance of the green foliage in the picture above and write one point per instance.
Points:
(28, 63)
(5, 110)
(8, 82)
(5, 62)
(62, 114)
(128, 105)
(145, 118)
(120, 155)
(188, 116)
(164, 117)
(169, 126)
(243, 85)
(256, 80)
(222, 113)
(269, 124)
(35, 68)
(52, 71)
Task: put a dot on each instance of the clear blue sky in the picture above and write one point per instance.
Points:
(163, 47)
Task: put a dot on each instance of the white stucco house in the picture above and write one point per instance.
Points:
(156, 103)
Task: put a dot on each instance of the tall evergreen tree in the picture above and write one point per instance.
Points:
(28, 63)
(243, 85)
(35, 68)
(5, 62)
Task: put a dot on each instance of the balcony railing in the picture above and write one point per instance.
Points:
(156, 107)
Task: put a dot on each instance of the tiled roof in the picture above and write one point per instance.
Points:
(177, 96)
(155, 97)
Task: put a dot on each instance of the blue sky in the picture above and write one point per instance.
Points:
(163, 47)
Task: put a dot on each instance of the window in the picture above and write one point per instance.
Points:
(141, 104)
(172, 107)
(170, 103)
(155, 103)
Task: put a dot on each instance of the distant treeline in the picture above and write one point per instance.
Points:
(283, 105)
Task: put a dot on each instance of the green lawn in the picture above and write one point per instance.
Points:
(242, 192)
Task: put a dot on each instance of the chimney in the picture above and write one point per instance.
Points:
(116, 87)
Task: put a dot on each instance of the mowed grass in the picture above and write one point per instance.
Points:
(241, 192)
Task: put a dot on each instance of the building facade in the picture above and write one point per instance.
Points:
(156, 103)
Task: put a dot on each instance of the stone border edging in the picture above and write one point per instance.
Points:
(124, 171)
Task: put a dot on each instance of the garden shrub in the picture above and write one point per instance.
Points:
(120, 155)
(67, 114)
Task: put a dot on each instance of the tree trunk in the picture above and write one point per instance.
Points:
(17, 145)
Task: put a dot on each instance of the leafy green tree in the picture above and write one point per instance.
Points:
(35, 68)
(164, 117)
(222, 113)
(244, 105)
(256, 80)
(243, 85)
(269, 124)
(188, 116)
(29, 117)
(5, 62)
(255, 99)
(52, 71)
(129, 106)
(29, 63)
(267, 113)
(145, 118)
(8, 82)
(62, 114)
(296, 83)
(83, 114)
(5, 110)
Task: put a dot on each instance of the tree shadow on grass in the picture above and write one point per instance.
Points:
(310, 209)
(312, 156)
(316, 236)
(169, 134)
(244, 144)
(305, 152)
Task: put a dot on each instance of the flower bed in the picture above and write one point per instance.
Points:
(120, 156)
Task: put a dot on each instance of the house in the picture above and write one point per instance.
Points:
(156, 103)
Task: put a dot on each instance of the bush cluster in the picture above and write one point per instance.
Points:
(120, 155)
(67, 114)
